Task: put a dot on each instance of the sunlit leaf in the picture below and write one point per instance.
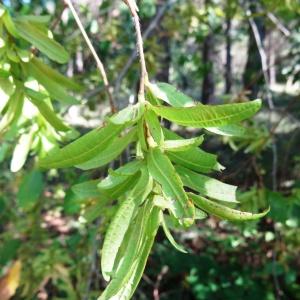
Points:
(82, 149)
(182, 145)
(128, 115)
(208, 115)
(207, 186)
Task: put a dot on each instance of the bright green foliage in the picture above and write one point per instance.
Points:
(154, 182)
(28, 86)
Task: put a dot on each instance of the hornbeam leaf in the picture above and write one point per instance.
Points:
(162, 170)
(225, 212)
(208, 115)
(110, 153)
(182, 145)
(41, 41)
(40, 101)
(128, 115)
(120, 175)
(120, 223)
(230, 130)
(21, 151)
(82, 149)
(54, 75)
(54, 88)
(170, 95)
(207, 186)
(169, 235)
(194, 158)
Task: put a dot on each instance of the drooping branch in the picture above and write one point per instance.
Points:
(100, 65)
(140, 46)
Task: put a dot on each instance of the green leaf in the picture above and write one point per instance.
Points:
(7, 88)
(154, 127)
(82, 149)
(10, 25)
(208, 115)
(35, 36)
(130, 271)
(162, 170)
(87, 189)
(94, 211)
(15, 106)
(30, 189)
(128, 115)
(34, 19)
(121, 221)
(234, 130)
(194, 158)
(207, 186)
(199, 214)
(225, 212)
(40, 101)
(54, 75)
(182, 145)
(169, 235)
(110, 153)
(55, 89)
(120, 175)
(170, 95)
(21, 151)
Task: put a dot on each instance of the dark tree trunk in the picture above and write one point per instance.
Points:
(253, 78)
(208, 84)
(228, 71)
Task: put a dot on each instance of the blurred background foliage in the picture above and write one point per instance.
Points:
(217, 51)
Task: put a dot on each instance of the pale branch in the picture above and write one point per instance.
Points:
(100, 65)
(151, 27)
(140, 47)
(278, 24)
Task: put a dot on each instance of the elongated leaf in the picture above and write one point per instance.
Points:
(208, 115)
(55, 89)
(229, 130)
(35, 19)
(95, 210)
(162, 170)
(207, 186)
(154, 127)
(83, 149)
(39, 100)
(195, 158)
(41, 41)
(120, 175)
(200, 214)
(30, 189)
(10, 25)
(21, 151)
(169, 235)
(224, 212)
(119, 225)
(54, 75)
(110, 153)
(87, 189)
(7, 88)
(128, 115)
(182, 145)
(14, 110)
(170, 95)
(135, 256)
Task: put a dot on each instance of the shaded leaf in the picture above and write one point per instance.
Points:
(128, 115)
(225, 212)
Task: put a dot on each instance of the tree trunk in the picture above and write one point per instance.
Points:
(253, 78)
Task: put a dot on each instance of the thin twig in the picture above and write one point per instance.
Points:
(278, 24)
(139, 40)
(95, 55)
